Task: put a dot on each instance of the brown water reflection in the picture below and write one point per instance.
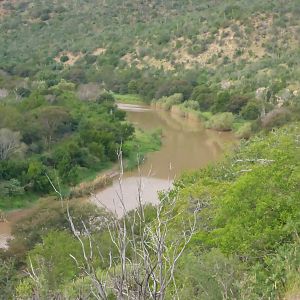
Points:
(186, 145)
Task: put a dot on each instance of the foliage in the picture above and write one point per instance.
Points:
(276, 118)
(209, 276)
(251, 111)
(141, 144)
(200, 55)
(10, 143)
(221, 121)
(8, 277)
(62, 137)
(49, 215)
(11, 188)
(249, 215)
(52, 258)
(244, 131)
(64, 58)
(204, 96)
(167, 102)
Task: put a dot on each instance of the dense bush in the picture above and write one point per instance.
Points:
(276, 118)
(245, 131)
(62, 138)
(167, 102)
(204, 96)
(221, 121)
(251, 111)
(248, 222)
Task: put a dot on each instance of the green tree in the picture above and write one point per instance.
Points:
(36, 175)
(53, 119)
(132, 87)
(251, 111)
(204, 96)
(221, 102)
(52, 259)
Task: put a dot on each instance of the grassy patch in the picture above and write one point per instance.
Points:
(238, 123)
(142, 143)
(134, 151)
(206, 115)
(18, 201)
(129, 98)
(86, 174)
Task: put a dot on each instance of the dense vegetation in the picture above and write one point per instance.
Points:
(52, 135)
(233, 64)
(216, 53)
(246, 245)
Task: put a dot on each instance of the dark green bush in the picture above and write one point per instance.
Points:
(64, 58)
(251, 111)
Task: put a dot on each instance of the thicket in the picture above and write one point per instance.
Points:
(114, 45)
(58, 138)
(246, 244)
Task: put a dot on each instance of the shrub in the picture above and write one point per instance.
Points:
(64, 58)
(204, 96)
(251, 111)
(237, 102)
(106, 97)
(132, 87)
(10, 188)
(88, 91)
(173, 87)
(222, 121)
(221, 103)
(276, 118)
(168, 102)
(45, 17)
(23, 92)
(245, 131)
(191, 104)
(90, 59)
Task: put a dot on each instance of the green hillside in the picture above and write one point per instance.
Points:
(228, 231)
(213, 52)
(108, 41)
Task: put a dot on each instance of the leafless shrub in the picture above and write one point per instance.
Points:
(147, 252)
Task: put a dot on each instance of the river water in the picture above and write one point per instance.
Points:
(186, 145)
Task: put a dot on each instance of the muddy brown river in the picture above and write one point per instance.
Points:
(186, 145)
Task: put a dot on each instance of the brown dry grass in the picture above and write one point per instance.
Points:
(89, 187)
(225, 44)
(99, 51)
(73, 57)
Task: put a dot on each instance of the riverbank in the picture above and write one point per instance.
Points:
(89, 180)
(134, 152)
(225, 121)
(186, 146)
(183, 145)
(129, 99)
(222, 121)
